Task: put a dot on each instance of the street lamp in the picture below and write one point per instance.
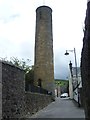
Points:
(67, 53)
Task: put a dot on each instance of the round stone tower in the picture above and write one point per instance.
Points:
(44, 66)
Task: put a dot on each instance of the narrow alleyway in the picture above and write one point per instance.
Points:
(61, 108)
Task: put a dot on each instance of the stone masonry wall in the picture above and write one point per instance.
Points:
(12, 91)
(14, 101)
(0, 91)
(44, 66)
(35, 102)
(85, 64)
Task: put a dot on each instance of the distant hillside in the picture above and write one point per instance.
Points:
(60, 82)
(60, 79)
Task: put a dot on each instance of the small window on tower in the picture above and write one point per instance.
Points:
(39, 83)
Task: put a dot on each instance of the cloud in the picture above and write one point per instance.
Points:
(9, 18)
(14, 15)
(17, 36)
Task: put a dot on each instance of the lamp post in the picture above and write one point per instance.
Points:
(67, 53)
(71, 81)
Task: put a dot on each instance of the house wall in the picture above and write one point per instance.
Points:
(70, 88)
(75, 95)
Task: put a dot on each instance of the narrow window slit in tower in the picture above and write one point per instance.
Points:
(39, 83)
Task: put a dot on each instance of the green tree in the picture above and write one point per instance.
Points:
(21, 63)
(29, 77)
(24, 64)
(29, 70)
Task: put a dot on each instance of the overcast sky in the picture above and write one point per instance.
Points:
(17, 30)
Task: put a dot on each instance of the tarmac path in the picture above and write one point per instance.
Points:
(61, 108)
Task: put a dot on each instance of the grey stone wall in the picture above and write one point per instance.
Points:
(35, 102)
(0, 91)
(85, 64)
(14, 101)
(12, 91)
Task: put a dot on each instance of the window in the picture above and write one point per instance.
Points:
(39, 83)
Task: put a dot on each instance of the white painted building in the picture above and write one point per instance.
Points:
(75, 84)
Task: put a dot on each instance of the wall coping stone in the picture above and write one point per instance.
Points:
(11, 64)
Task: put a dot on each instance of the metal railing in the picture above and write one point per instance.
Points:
(37, 89)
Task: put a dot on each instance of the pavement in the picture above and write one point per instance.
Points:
(61, 108)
